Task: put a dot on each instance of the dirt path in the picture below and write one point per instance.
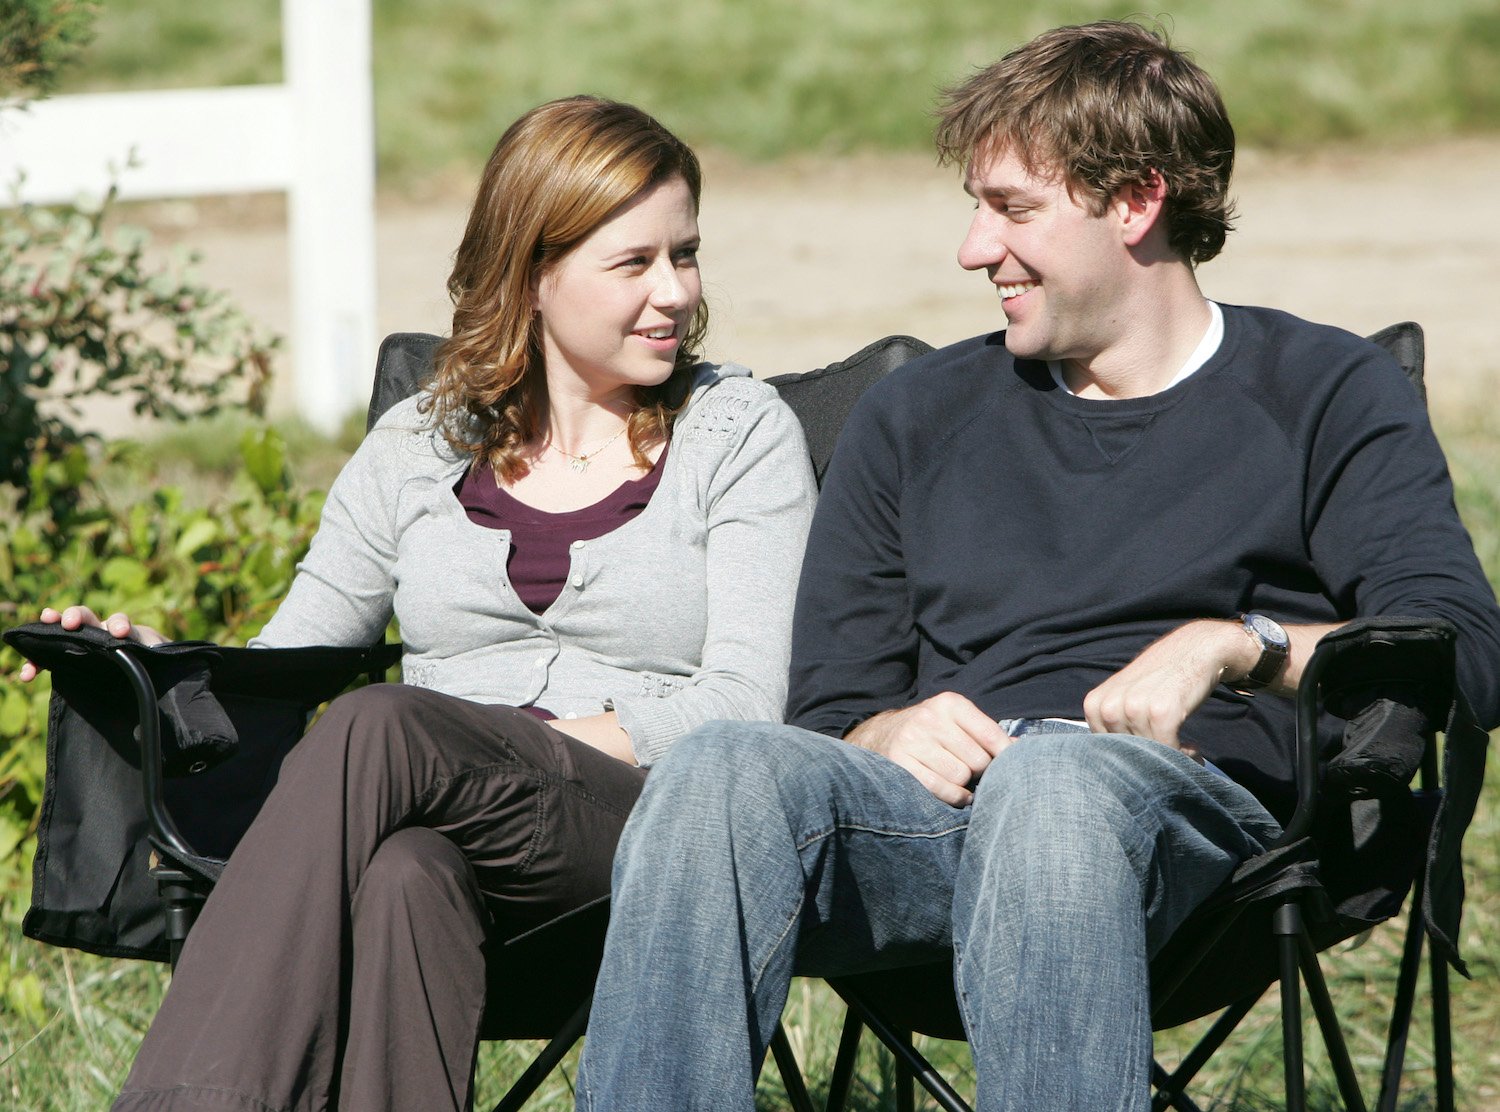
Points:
(806, 262)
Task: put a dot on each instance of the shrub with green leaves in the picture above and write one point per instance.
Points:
(37, 39)
(85, 314)
(212, 573)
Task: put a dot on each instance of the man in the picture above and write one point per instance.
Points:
(1059, 581)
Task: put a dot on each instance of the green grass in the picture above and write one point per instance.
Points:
(766, 78)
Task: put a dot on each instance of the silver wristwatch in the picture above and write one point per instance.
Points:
(1274, 645)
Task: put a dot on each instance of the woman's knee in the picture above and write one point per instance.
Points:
(379, 706)
(417, 867)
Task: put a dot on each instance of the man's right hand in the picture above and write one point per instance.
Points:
(945, 742)
(76, 617)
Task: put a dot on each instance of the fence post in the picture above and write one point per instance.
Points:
(331, 205)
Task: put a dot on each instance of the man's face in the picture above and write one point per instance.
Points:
(1058, 268)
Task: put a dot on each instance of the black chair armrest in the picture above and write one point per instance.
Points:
(176, 685)
(1392, 680)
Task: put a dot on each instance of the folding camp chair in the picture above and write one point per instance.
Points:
(158, 758)
(1352, 850)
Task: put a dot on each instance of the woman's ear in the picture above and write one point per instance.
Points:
(1139, 206)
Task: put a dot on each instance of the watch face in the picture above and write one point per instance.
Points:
(1266, 629)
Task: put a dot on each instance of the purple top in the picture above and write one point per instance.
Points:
(539, 541)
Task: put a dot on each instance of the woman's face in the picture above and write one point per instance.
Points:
(614, 311)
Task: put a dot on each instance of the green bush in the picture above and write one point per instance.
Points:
(85, 314)
(212, 573)
(37, 39)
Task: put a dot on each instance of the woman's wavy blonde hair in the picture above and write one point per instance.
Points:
(557, 174)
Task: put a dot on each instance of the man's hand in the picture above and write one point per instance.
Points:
(1153, 695)
(945, 742)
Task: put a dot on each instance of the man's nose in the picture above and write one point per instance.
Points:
(983, 246)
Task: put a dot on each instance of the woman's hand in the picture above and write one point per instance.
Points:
(602, 731)
(77, 617)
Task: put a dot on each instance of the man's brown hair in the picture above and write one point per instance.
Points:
(1105, 105)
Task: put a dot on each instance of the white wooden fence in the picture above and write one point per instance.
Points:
(312, 136)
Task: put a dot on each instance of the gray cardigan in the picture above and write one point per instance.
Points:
(678, 617)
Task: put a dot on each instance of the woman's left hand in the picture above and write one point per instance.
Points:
(602, 731)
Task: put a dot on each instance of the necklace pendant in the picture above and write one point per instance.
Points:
(579, 464)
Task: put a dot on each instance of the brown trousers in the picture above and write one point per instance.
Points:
(339, 962)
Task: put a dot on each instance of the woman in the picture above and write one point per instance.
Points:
(590, 540)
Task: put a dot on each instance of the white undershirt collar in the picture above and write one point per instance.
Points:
(1205, 350)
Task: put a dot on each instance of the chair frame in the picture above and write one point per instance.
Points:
(183, 892)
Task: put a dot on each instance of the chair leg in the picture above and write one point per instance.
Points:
(791, 1073)
(1401, 1008)
(906, 1097)
(1170, 1088)
(900, 1045)
(1167, 1095)
(1287, 925)
(1442, 1034)
(545, 1062)
(182, 899)
(843, 1064)
(1328, 1023)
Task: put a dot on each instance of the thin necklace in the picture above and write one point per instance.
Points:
(580, 462)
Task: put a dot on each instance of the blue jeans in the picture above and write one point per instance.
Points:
(758, 850)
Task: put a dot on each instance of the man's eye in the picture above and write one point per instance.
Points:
(688, 256)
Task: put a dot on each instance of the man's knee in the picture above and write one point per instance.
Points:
(722, 758)
(728, 774)
(1052, 788)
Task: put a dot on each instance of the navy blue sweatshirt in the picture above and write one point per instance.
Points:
(982, 531)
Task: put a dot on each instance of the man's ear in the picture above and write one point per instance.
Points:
(1140, 206)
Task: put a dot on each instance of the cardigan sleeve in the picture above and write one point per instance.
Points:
(342, 593)
(758, 504)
